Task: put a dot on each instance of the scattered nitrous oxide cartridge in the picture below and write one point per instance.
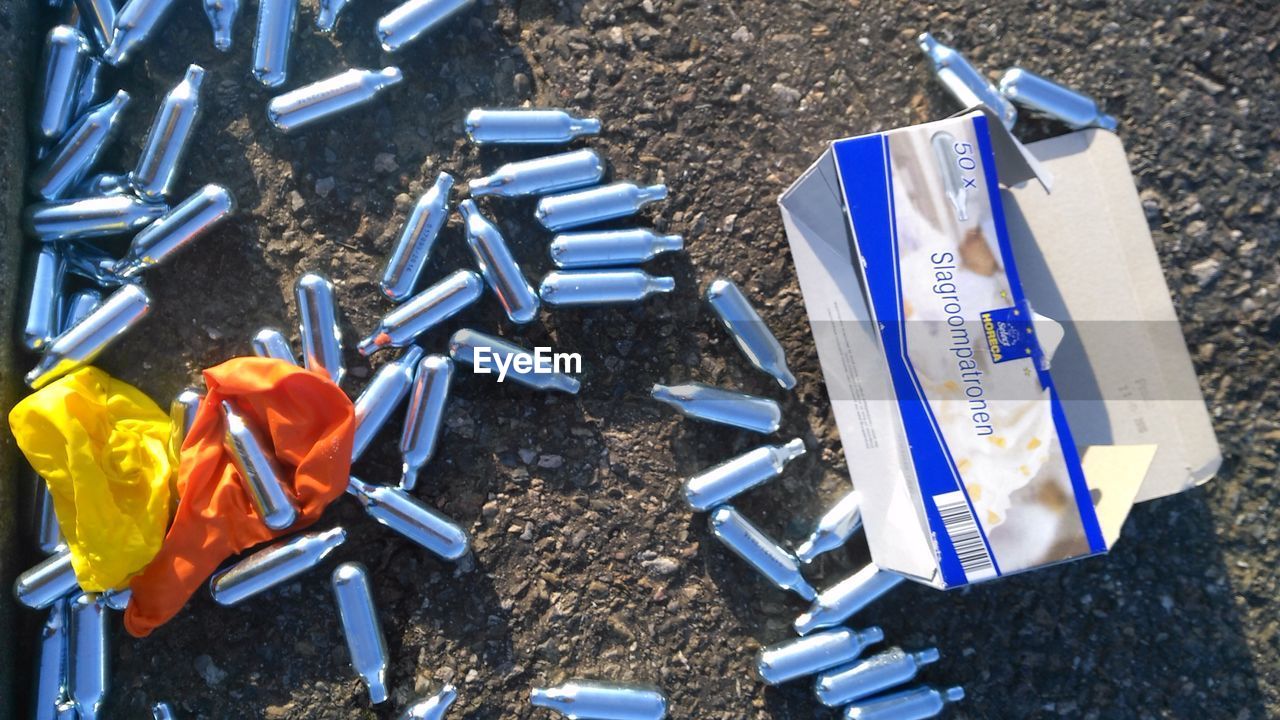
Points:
(271, 343)
(753, 337)
(602, 700)
(963, 81)
(595, 205)
(51, 676)
(361, 628)
(100, 184)
(411, 20)
(424, 311)
(222, 18)
(842, 600)
(276, 22)
(539, 176)
(416, 240)
(78, 150)
(321, 337)
(99, 16)
(135, 23)
(425, 416)
(46, 272)
(487, 354)
(40, 586)
(404, 514)
(261, 474)
(866, 677)
(804, 656)
(90, 85)
(182, 415)
(1047, 97)
(117, 600)
(759, 550)
(570, 288)
(189, 220)
(170, 135)
(66, 56)
(273, 565)
(80, 345)
(915, 704)
(606, 248)
(517, 127)
(835, 528)
(433, 707)
(48, 533)
(89, 659)
(725, 481)
(717, 405)
(327, 14)
(79, 306)
(91, 217)
(324, 98)
(498, 265)
(382, 396)
(162, 711)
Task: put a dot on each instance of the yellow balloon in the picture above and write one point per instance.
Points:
(103, 448)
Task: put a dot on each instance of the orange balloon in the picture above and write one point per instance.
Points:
(309, 421)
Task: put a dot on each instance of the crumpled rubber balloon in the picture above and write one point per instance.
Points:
(308, 420)
(103, 448)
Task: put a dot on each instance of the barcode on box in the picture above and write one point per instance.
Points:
(971, 550)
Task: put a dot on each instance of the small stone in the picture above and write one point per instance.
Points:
(662, 565)
(521, 84)
(785, 93)
(385, 163)
(550, 462)
(212, 674)
(1205, 270)
(296, 201)
(527, 456)
(325, 186)
(742, 35)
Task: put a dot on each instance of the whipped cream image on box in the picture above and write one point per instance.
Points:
(999, 478)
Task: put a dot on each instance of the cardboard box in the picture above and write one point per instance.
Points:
(1054, 274)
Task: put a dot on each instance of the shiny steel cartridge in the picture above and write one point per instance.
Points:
(135, 23)
(80, 345)
(953, 180)
(100, 184)
(44, 278)
(489, 355)
(498, 266)
(361, 628)
(327, 14)
(518, 127)
(51, 669)
(761, 552)
(602, 700)
(834, 528)
(416, 240)
(866, 677)
(271, 343)
(182, 415)
(963, 81)
(260, 473)
(78, 150)
(606, 248)
(570, 288)
(319, 100)
(48, 533)
(404, 514)
(543, 175)
(89, 659)
(99, 16)
(89, 262)
(915, 704)
(800, 657)
(842, 600)
(42, 585)
(273, 565)
(184, 224)
(66, 56)
(162, 711)
(382, 396)
(431, 708)
(595, 205)
(90, 86)
(425, 417)
(424, 311)
(750, 333)
(713, 404)
(276, 22)
(732, 477)
(321, 337)
(79, 306)
(1047, 97)
(117, 600)
(222, 18)
(166, 146)
(409, 21)
(91, 217)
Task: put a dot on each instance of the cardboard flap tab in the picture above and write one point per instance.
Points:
(1114, 474)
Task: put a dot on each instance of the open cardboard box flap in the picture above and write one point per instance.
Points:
(1087, 260)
